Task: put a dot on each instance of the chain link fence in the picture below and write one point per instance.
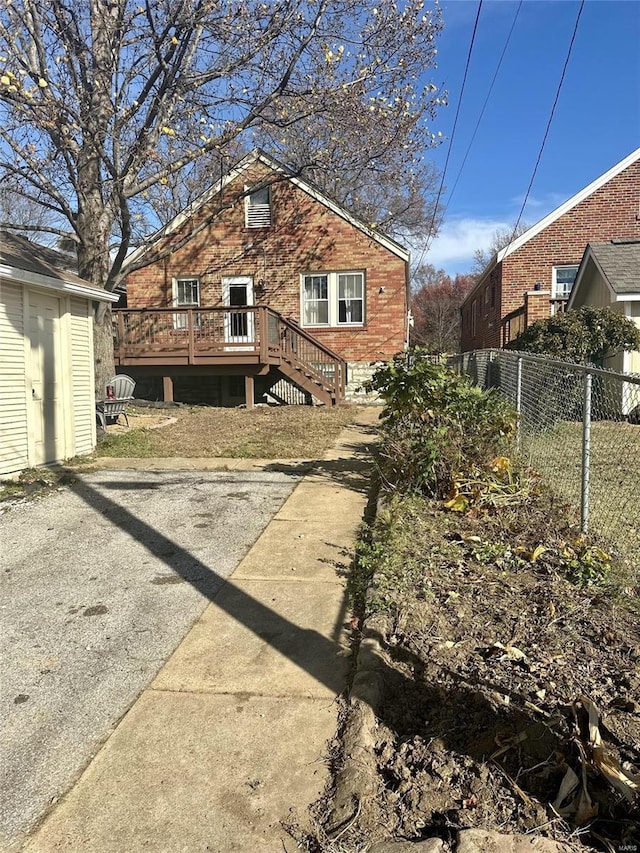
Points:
(579, 427)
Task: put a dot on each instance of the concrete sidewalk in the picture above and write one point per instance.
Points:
(230, 739)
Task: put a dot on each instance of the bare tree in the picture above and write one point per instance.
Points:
(500, 239)
(107, 102)
(23, 214)
(435, 304)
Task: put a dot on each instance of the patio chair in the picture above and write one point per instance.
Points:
(111, 408)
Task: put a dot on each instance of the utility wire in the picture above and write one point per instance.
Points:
(484, 106)
(453, 131)
(546, 133)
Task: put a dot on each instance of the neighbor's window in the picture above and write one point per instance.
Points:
(333, 299)
(562, 281)
(258, 208)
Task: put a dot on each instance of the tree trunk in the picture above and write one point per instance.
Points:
(93, 228)
(103, 350)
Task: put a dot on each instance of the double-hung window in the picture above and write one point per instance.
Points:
(350, 298)
(315, 299)
(186, 294)
(562, 281)
(333, 299)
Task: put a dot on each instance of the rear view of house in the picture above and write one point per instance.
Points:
(532, 277)
(47, 404)
(262, 279)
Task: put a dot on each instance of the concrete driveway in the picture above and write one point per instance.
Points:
(98, 584)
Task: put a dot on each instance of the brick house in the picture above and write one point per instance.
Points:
(532, 277)
(272, 280)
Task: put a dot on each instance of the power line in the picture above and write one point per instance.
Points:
(453, 131)
(546, 133)
(484, 106)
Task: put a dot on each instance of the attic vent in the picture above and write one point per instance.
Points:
(258, 208)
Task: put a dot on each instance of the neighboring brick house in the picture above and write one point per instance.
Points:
(263, 237)
(532, 277)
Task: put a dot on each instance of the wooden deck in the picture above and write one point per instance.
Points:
(249, 340)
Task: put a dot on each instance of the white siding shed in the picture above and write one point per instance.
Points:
(47, 401)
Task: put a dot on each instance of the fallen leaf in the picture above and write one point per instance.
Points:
(458, 504)
(537, 552)
(570, 782)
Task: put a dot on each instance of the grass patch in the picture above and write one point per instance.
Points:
(263, 433)
(615, 470)
(135, 443)
(34, 482)
(391, 559)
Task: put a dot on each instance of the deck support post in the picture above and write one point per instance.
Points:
(249, 391)
(167, 389)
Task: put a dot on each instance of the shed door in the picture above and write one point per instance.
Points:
(46, 385)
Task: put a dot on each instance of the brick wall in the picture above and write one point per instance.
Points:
(305, 237)
(610, 213)
(536, 305)
(480, 326)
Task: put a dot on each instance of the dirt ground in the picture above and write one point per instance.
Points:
(141, 419)
(489, 649)
(268, 432)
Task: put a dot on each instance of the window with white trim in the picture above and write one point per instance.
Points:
(562, 279)
(315, 300)
(186, 294)
(333, 299)
(257, 208)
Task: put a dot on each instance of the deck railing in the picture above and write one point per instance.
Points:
(306, 353)
(187, 330)
(227, 333)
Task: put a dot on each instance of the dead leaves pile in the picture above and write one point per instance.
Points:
(574, 800)
(482, 725)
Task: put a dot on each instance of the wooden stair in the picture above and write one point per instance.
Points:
(310, 365)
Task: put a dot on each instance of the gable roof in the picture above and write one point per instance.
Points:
(565, 207)
(568, 205)
(618, 261)
(259, 156)
(30, 263)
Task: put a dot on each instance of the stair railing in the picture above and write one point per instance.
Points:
(309, 355)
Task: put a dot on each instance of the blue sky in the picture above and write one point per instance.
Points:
(596, 122)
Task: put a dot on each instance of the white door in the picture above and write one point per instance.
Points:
(46, 381)
(239, 326)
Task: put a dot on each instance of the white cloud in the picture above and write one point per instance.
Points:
(454, 247)
(538, 206)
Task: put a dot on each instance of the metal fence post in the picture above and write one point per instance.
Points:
(586, 452)
(518, 403)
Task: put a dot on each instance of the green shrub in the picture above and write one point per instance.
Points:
(586, 334)
(436, 424)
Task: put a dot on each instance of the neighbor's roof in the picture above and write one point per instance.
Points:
(258, 156)
(556, 214)
(30, 263)
(619, 264)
